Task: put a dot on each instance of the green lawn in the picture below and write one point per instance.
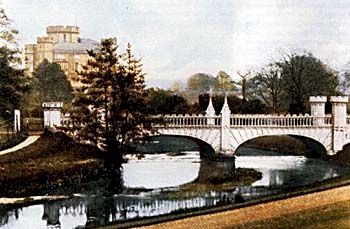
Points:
(335, 216)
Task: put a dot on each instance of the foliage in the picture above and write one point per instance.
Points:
(109, 110)
(7, 33)
(177, 86)
(267, 86)
(302, 76)
(344, 80)
(161, 101)
(223, 82)
(12, 82)
(236, 104)
(200, 82)
(245, 84)
(51, 84)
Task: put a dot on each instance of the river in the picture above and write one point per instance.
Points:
(154, 174)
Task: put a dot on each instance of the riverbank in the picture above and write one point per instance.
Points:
(313, 210)
(53, 162)
(283, 144)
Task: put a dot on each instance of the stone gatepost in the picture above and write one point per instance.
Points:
(210, 112)
(339, 115)
(317, 104)
(52, 114)
(225, 127)
(17, 121)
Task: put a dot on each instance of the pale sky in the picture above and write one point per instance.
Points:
(179, 38)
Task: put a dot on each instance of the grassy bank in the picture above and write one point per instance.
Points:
(54, 161)
(224, 182)
(330, 216)
(280, 143)
(14, 139)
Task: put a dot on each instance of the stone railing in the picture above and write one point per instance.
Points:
(187, 121)
(237, 120)
(280, 120)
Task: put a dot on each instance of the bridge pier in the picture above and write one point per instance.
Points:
(225, 146)
(318, 109)
(339, 122)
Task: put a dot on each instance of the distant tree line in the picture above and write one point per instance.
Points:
(282, 86)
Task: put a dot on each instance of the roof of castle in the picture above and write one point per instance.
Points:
(76, 48)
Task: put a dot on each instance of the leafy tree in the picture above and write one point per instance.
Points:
(177, 87)
(223, 82)
(51, 84)
(109, 110)
(302, 76)
(200, 82)
(344, 80)
(245, 85)
(7, 33)
(12, 82)
(267, 85)
(161, 101)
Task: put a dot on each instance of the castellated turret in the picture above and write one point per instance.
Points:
(63, 34)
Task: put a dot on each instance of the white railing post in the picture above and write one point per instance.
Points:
(225, 126)
(17, 121)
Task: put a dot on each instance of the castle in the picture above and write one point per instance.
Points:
(63, 46)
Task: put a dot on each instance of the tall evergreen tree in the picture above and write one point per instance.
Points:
(109, 110)
(51, 84)
(12, 82)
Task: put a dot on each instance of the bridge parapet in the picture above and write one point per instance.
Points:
(280, 121)
(227, 131)
(189, 121)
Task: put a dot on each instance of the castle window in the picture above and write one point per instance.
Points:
(64, 38)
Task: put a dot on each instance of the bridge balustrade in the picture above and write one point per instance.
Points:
(188, 121)
(279, 121)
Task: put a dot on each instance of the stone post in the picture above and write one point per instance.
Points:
(17, 121)
(225, 127)
(210, 112)
(339, 121)
(317, 104)
(52, 114)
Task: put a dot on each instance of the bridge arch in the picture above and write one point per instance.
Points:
(313, 147)
(168, 143)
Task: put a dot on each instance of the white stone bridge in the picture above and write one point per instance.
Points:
(226, 132)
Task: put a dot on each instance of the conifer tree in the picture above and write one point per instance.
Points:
(12, 82)
(109, 109)
(51, 83)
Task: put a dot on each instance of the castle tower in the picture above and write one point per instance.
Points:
(63, 34)
(29, 57)
(43, 50)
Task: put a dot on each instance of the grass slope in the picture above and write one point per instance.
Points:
(53, 161)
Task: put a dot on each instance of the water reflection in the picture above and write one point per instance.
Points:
(150, 172)
(105, 200)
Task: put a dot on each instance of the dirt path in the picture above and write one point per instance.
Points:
(25, 143)
(229, 219)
